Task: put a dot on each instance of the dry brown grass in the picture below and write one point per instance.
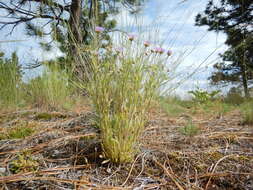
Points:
(69, 155)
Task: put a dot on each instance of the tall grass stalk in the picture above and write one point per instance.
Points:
(122, 85)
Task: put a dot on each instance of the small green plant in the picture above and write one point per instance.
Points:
(24, 163)
(202, 96)
(190, 129)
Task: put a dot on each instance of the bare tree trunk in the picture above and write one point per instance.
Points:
(245, 81)
(244, 73)
(74, 21)
(81, 61)
(79, 65)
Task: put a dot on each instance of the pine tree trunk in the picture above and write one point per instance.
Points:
(74, 21)
(245, 81)
(80, 65)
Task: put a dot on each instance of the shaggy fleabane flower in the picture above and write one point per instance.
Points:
(169, 52)
(99, 29)
(131, 37)
(159, 50)
(146, 43)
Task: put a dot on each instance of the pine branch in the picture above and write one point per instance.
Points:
(22, 16)
(51, 4)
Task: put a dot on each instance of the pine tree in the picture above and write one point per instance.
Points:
(234, 18)
(70, 23)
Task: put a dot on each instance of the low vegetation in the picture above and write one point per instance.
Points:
(49, 116)
(24, 162)
(71, 146)
(190, 129)
(18, 131)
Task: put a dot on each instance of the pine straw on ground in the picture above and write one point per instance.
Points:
(67, 153)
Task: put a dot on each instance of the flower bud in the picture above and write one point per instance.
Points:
(169, 52)
(146, 43)
(99, 29)
(131, 37)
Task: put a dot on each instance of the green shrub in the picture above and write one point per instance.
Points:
(121, 87)
(10, 82)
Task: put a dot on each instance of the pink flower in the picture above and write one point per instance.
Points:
(169, 52)
(131, 37)
(159, 50)
(99, 29)
(146, 43)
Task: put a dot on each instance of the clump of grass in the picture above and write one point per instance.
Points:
(19, 131)
(10, 82)
(121, 87)
(247, 112)
(190, 129)
(24, 163)
(52, 90)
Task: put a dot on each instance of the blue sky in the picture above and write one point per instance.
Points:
(167, 21)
